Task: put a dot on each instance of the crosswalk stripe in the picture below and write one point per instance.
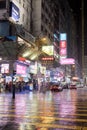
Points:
(63, 119)
(81, 106)
(45, 118)
(48, 113)
(46, 125)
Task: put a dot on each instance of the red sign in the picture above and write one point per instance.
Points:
(48, 58)
(63, 44)
(21, 59)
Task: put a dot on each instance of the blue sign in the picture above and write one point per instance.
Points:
(15, 12)
(63, 36)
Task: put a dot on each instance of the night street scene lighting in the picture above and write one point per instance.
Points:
(43, 65)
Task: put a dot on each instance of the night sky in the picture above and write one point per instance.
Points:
(75, 5)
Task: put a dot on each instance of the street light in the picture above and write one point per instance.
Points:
(43, 39)
(0, 58)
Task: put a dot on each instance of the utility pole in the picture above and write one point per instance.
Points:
(13, 84)
(82, 36)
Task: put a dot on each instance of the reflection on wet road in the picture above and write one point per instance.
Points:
(66, 110)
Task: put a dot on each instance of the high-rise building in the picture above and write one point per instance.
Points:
(55, 17)
(65, 22)
(42, 18)
(15, 23)
(16, 11)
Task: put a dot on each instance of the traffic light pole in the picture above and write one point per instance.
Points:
(13, 85)
(13, 90)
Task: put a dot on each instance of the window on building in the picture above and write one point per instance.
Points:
(27, 22)
(46, 10)
(2, 4)
(49, 35)
(27, 9)
(41, 27)
(46, 20)
(23, 5)
(20, 1)
(23, 17)
(45, 31)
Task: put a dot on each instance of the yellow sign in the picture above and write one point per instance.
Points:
(48, 49)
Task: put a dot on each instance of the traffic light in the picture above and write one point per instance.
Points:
(14, 72)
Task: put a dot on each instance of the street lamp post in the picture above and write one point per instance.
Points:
(13, 84)
(83, 36)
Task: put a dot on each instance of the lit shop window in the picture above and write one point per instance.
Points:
(4, 68)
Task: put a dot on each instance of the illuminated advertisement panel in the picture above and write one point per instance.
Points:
(48, 50)
(33, 69)
(4, 68)
(63, 51)
(63, 44)
(20, 69)
(14, 11)
(63, 37)
(43, 70)
(67, 61)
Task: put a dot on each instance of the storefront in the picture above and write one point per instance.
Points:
(22, 71)
(4, 71)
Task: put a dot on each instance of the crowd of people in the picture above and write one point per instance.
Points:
(19, 86)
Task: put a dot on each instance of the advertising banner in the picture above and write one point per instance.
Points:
(4, 68)
(20, 69)
(14, 11)
(48, 50)
(67, 61)
(63, 46)
(63, 37)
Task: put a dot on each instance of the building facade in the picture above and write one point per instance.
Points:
(42, 18)
(15, 19)
(15, 25)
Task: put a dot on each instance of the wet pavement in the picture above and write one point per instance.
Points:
(66, 110)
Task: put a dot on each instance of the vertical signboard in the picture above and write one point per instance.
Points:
(63, 45)
(14, 11)
(63, 37)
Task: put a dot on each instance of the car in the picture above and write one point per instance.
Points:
(64, 85)
(80, 85)
(72, 85)
(56, 87)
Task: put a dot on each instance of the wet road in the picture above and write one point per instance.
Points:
(66, 110)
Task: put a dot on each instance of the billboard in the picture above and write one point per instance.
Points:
(67, 61)
(20, 69)
(63, 37)
(48, 49)
(14, 11)
(63, 52)
(33, 69)
(43, 70)
(4, 68)
(49, 58)
(63, 44)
